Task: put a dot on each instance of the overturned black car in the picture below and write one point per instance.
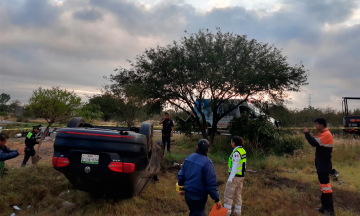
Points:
(107, 160)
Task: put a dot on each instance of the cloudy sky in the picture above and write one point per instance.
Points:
(74, 43)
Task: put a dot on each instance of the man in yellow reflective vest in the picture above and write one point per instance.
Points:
(234, 186)
(324, 146)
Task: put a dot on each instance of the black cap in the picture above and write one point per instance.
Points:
(166, 113)
(36, 126)
(203, 145)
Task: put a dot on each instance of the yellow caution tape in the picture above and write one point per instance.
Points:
(18, 129)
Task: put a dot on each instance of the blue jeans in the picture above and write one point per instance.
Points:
(196, 203)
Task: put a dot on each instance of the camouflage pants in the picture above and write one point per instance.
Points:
(233, 193)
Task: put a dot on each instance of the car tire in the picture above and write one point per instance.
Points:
(147, 130)
(76, 122)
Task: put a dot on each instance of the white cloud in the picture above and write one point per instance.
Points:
(75, 43)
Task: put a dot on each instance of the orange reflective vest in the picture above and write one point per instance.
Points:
(324, 151)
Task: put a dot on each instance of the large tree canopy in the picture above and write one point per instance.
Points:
(124, 106)
(217, 66)
(54, 104)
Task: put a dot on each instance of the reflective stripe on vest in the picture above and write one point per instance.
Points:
(325, 139)
(29, 135)
(242, 152)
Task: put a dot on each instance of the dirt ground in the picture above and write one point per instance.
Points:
(46, 151)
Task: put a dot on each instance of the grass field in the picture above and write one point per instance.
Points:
(281, 186)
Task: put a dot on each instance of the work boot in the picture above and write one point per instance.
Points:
(321, 209)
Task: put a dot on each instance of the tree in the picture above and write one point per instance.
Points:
(54, 104)
(128, 110)
(14, 105)
(4, 98)
(216, 66)
(90, 112)
(107, 104)
(131, 104)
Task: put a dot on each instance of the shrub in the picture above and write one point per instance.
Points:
(262, 137)
(3, 114)
(186, 127)
(258, 131)
(288, 144)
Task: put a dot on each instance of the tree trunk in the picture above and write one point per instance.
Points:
(202, 129)
(213, 133)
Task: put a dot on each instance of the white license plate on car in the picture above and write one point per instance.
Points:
(90, 159)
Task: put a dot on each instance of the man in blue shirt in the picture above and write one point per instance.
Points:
(5, 152)
(198, 177)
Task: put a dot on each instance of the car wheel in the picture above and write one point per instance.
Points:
(76, 122)
(147, 130)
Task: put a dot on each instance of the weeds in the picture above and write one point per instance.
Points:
(283, 186)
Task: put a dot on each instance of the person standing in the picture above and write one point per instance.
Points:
(167, 131)
(324, 146)
(5, 152)
(198, 178)
(234, 186)
(30, 142)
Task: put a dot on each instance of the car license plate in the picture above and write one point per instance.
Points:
(90, 159)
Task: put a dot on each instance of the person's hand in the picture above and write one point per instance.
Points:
(306, 130)
(181, 193)
(21, 150)
(218, 205)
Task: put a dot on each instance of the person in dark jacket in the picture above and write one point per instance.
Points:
(198, 177)
(5, 152)
(30, 142)
(167, 131)
(324, 146)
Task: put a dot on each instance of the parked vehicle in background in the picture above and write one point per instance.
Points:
(351, 122)
(107, 160)
(247, 108)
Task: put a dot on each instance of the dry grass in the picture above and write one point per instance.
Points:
(282, 186)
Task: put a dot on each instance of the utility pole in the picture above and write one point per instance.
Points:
(310, 100)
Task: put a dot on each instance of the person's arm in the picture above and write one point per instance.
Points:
(161, 121)
(211, 182)
(172, 127)
(9, 150)
(181, 175)
(7, 156)
(235, 165)
(312, 141)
